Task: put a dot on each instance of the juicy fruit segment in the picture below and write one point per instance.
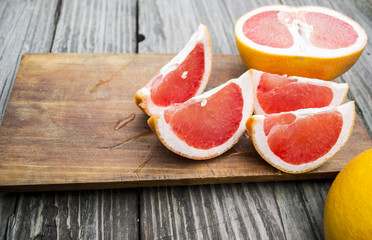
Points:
(302, 140)
(348, 208)
(183, 77)
(270, 82)
(200, 124)
(266, 29)
(330, 32)
(182, 83)
(289, 140)
(309, 41)
(277, 93)
(207, 125)
(306, 96)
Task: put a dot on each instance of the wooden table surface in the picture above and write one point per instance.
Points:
(270, 210)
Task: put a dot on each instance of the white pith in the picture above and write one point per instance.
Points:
(339, 89)
(261, 140)
(300, 32)
(201, 35)
(180, 147)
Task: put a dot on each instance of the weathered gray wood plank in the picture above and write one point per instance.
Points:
(25, 26)
(79, 26)
(7, 205)
(96, 26)
(100, 214)
(284, 210)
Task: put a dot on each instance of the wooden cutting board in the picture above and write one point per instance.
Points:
(60, 129)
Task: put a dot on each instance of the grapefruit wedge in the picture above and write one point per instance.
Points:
(184, 77)
(302, 140)
(310, 41)
(279, 93)
(207, 125)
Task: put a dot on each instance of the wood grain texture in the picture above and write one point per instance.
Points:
(59, 131)
(25, 26)
(96, 27)
(100, 214)
(83, 26)
(7, 206)
(280, 210)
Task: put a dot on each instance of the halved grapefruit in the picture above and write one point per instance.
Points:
(278, 93)
(310, 41)
(184, 77)
(302, 140)
(209, 124)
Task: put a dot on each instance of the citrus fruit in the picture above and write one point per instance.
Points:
(183, 77)
(348, 208)
(310, 41)
(302, 140)
(279, 93)
(207, 125)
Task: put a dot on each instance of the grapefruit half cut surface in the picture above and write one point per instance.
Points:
(184, 77)
(278, 93)
(209, 124)
(310, 41)
(302, 140)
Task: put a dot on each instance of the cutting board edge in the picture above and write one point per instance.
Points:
(168, 182)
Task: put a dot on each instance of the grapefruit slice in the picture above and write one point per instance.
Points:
(184, 77)
(310, 41)
(302, 140)
(207, 125)
(279, 93)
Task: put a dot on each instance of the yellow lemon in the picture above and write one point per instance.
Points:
(348, 207)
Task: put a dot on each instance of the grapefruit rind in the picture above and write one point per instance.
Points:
(339, 89)
(201, 35)
(255, 129)
(164, 132)
(311, 62)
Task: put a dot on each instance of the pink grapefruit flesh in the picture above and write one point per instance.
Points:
(207, 126)
(182, 83)
(302, 140)
(290, 141)
(266, 29)
(270, 29)
(186, 75)
(330, 32)
(280, 94)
